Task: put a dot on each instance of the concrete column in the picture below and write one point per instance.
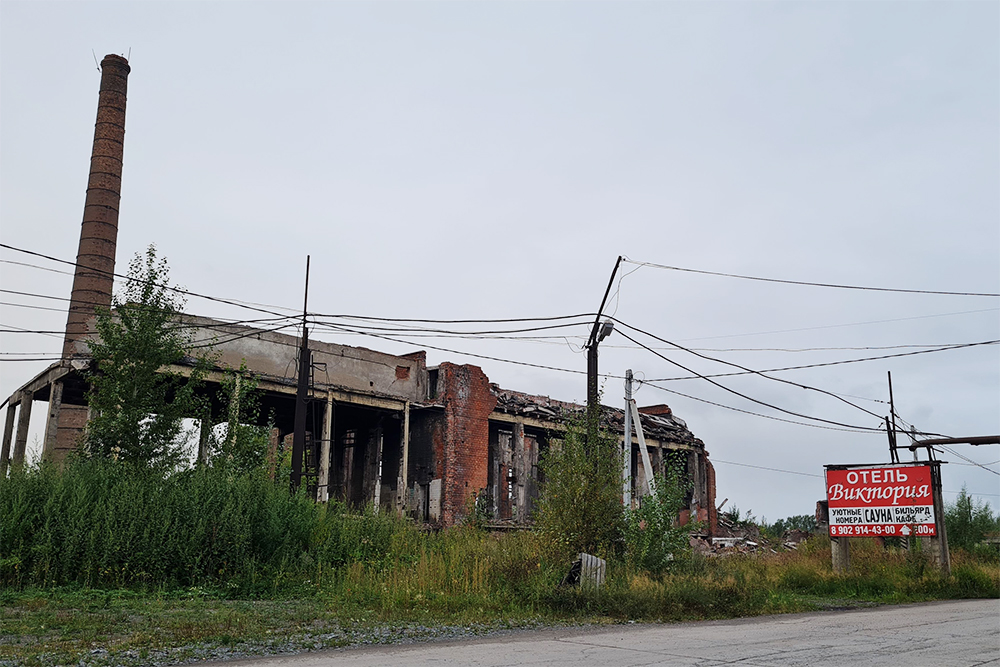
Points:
(274, 440)
(937, 546)
(403, 482)
(694, 470)
(21, 439)
(520, 474)
(8, 434)
(52, 423)
(204, 435)
(841, 550)
(323, 483)
(377, 494)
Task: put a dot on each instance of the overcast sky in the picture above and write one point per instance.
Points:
(489, 160)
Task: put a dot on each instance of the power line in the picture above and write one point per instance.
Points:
(178, 290)
(973, 493)
(754, 400)
(30, 307)
(40, 296)
(743, 368)
(251, 304)
(35, 266)
(847, 427)
(757, 414)
(448, 332)
(970, 461)
(809, 284)
(748, 465)
(838, 363)
(795, 349)
(468, 354)
(478, 321)
(30, 354)
(14, 329)
(840, 326)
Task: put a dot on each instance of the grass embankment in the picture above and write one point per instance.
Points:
(132, 568)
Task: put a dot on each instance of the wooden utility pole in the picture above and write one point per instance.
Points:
(597, 334)
(301, 394)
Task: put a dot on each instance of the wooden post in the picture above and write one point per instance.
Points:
(323, 483)
(52, 424)
(8, 434)
(840, 548)
(21, 439)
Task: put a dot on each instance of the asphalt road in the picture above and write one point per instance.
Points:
(963, 633)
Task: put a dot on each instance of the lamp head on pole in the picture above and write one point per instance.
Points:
(606, 328)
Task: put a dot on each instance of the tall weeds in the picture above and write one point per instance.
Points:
(100, 524)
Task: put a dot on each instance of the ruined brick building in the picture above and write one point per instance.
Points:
(384, 429)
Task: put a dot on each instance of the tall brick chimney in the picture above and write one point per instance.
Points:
(95, 259)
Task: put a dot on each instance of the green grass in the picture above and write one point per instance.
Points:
(455, 578)
(123, 567)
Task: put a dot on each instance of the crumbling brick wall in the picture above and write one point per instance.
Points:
(464, 453)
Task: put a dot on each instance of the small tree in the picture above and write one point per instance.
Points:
(968, 522)
(580, 508)
(653, 538)
(243, 446)
(137, 403)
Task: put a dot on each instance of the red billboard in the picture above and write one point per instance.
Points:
(880, 501)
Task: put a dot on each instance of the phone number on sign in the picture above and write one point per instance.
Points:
(881, 531)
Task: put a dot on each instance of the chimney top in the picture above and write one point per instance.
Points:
(115, 60)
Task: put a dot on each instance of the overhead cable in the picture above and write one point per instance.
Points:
(968, 460)
(837, 363)
(840, 326)
(178, 290)
(749, 465)
(809, 284)
(755, 400)
(758, 414)
(743, 368)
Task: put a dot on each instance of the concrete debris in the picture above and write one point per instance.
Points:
(587, 571)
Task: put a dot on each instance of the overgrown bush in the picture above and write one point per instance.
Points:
(137, 404)
(653, 540)
(580, 508)
(242, 446)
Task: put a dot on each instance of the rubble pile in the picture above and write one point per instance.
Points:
(744, 538)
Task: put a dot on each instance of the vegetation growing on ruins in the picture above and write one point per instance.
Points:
(137, 405)
(137, 548)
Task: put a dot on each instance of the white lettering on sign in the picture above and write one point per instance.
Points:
(867, 494)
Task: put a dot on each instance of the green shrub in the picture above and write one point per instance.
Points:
(653, 541)
(580, 508)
